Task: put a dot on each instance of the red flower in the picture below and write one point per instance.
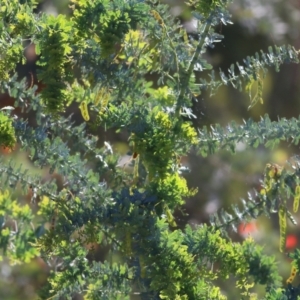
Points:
(291, 241)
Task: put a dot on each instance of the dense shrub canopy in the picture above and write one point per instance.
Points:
(131, 67)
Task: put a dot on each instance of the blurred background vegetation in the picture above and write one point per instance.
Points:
(222, 179)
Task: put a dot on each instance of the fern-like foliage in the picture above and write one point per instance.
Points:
(265, 132)
(130, 66)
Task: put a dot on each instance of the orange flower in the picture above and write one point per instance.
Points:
(7, 150)
(246, 229)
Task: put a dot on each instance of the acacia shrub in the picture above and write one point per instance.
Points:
(99, 60)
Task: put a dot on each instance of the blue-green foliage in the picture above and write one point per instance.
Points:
(265, 132)
(115, 47)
